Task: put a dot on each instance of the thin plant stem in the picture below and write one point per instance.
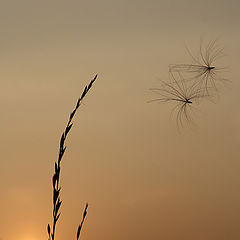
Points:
(56, 176)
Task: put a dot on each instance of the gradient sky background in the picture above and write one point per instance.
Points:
(142, 179)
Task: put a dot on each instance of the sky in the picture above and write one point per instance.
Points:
(142, 177)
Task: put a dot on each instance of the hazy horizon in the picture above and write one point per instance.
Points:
(125, 157)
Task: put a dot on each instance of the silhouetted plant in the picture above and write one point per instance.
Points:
(56, 176)
(205, 72)
(81, 224)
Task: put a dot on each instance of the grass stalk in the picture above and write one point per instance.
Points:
(57, 202)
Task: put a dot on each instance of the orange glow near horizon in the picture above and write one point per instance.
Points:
(142, 177)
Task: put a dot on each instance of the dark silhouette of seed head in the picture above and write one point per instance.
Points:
(203, 68)
(182, 93)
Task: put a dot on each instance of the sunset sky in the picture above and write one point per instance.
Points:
(142, 177)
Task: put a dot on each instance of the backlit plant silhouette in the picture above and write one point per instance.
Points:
(56, 176)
